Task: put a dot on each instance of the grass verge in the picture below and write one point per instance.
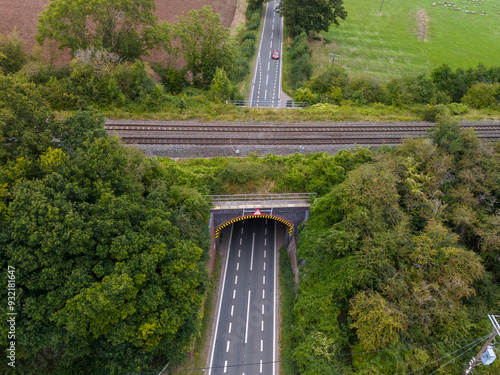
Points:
(319, 112)
(287, 299)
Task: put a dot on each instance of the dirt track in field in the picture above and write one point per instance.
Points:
(23, 14)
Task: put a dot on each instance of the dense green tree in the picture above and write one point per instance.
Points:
(481, 95)
(109, 257)
(205, 45)
(12, 52)
(311, 15)
(123, 27)
(401, 254)
(27, 125)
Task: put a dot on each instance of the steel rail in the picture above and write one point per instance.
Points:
(343, 140)
(283, 128)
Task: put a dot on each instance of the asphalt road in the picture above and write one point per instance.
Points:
(266, 85)
(245, 336)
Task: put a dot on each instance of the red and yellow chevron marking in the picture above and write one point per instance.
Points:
(232, 221)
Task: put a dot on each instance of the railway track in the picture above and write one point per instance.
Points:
(277, 134)
(269, 141)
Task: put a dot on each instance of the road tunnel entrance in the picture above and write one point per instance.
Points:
(257, 216)
(289, 210)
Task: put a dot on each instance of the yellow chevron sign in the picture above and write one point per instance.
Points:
(223, 225)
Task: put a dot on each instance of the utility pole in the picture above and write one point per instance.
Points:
(334, 55)
(494, 333)
(380, 11)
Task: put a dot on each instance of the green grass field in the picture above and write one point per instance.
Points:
(388, 45)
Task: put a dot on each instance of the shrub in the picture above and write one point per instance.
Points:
(174, 80)
(433, 112)
(240, 68)
(336, 95)
(457, 109)
(410, 90)
(442, 98)
(334, 76)
(480, 95)
(247, 48)
(248, 35)
(221, 88)
(305, 95)
(300, 57)
(365, 90)
(135, 80)
(39, 73)
(12, 55)
(58, 93)
(253, 22)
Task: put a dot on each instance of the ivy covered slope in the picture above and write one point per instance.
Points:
(109, 255)
(403, 253)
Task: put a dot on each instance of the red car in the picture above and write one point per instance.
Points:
(275, 55)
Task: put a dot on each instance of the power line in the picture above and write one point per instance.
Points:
(326, 356)
(458, 356)
(477, 341)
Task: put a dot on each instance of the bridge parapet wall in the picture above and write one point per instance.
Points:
(294, 215)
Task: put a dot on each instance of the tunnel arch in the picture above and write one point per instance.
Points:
(263, 216)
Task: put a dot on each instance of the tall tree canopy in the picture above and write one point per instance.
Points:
(109, 253)
(311, 15)
(124, 27)
(403, 253)
(206, 44)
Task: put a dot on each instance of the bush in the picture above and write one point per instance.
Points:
(253, 22)
(334, 76)
(12, 55)
(442, 98)
(433, 112)
(305, 95)
(40, 74)
(481, 95)
(457, 109)
(456, 83)
(58, 93)
(365, 90)
(247, 48)
(248, 35)
(100, 79)
(174, 80)
(300, 56)
(408, 90)
(240, 68)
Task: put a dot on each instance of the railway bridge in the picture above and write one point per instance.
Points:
(290, 209)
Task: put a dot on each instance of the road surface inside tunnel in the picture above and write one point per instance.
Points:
(245, 334)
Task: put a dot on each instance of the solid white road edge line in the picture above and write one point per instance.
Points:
(258, 57)
(220, 302)
(275, 302)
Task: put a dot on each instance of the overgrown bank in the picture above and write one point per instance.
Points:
(400, 261)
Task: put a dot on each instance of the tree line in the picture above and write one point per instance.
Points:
(109, 254)
(444, 91)
(400, 260)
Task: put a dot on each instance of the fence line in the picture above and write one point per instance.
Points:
(275, 103)
(260, 197)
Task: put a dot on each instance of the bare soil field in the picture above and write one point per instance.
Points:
(22, 15)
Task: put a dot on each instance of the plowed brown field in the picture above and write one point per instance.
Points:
(23, 14)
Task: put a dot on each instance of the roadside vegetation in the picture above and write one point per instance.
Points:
(401, 250)
(109, 71)
(400, 260)
(109, 255)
